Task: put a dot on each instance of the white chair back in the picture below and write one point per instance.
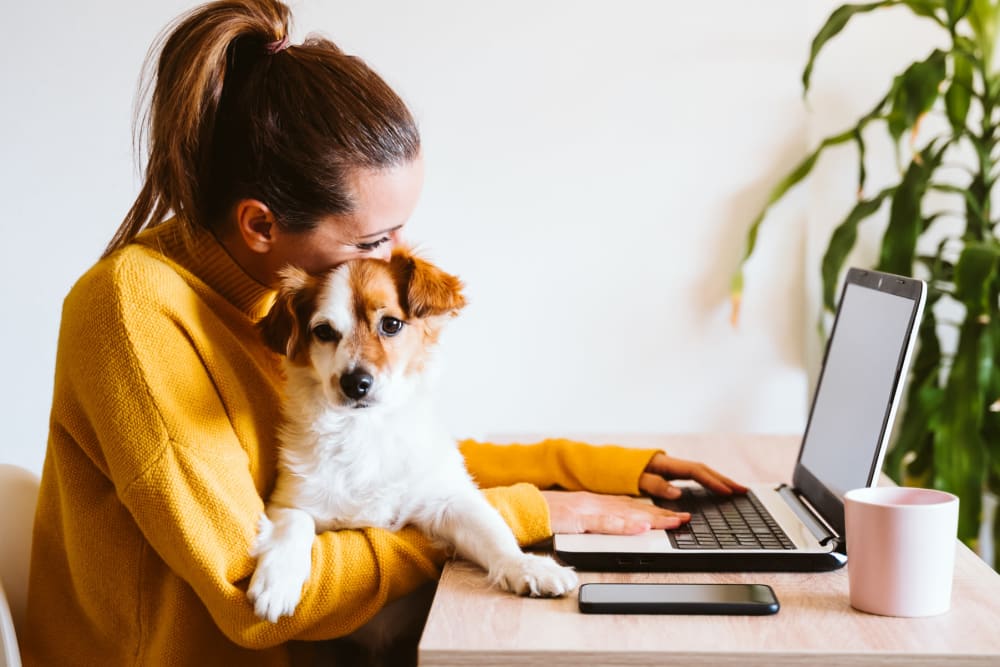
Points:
(18, 499)
(10, 656)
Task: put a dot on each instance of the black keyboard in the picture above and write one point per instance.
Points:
(724, 522)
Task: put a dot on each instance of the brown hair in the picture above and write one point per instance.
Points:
(236, 115)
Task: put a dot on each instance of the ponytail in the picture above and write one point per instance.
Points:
(237, 113)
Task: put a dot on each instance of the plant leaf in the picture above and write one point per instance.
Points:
(862, 174)
(788, 182)
(837, 21)
(841, 242)
(991, 418)
(959, 94)
(977, 197)
(905, 219)
(929, 220)
(974, 274)
(993, 89)
(916, 89)
(928, 8)
(982, 17)
(971, 205)
(956, 9)
(841, 16)
(959, 450)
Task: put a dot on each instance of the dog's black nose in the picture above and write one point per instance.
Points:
(356, 383)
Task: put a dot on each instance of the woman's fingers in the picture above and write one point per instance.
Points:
(711, 480)
(584, 512)
(655, 485)
(717, 482)
(629, 523)
(612, 524)
(672, 468)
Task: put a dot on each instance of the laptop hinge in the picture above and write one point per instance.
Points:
(808, 515)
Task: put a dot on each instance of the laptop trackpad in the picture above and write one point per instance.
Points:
(653, 541)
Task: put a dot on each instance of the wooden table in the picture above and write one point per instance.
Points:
(471, 624)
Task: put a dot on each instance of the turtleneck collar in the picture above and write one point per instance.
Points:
(204, 256)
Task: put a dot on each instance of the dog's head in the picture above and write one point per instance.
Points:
(365, 329)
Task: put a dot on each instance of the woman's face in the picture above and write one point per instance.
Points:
(385, 199)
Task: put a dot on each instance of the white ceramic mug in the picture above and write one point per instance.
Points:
(901, 549)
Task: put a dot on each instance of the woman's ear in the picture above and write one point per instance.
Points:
(256, 225)
(424, 289)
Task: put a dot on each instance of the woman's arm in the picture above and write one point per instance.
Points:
(573, 466)
(591, 476)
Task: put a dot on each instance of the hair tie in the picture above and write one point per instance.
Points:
(278, 46)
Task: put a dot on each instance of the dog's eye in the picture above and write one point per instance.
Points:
(390, 326)
(325, 333)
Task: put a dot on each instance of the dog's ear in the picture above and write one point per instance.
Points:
(282, 327)
(424, 289)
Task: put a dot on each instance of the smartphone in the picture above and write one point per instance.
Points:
(752, 599)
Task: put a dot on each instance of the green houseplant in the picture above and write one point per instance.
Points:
(949, 434)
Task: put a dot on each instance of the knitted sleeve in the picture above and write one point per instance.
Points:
(165, 441)
(569, 465)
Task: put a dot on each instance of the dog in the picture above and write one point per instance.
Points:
(359, 443)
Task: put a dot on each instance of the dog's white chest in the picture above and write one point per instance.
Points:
(370, 474)
(379, 500)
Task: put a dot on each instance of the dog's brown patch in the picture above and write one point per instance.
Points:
(284, 327)
(374, 296)
(406, 288)
(425, 290)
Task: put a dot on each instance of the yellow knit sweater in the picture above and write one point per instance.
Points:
(161, 449)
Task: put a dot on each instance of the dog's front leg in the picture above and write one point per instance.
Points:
(478, 532)
(284, 558)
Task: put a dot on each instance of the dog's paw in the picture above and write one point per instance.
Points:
(282, 570)
(276, 587)
(537, 576)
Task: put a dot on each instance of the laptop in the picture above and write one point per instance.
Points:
(796, 525)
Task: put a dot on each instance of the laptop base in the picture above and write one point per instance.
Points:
(676, 561)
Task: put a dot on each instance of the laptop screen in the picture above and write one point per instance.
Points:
(858, 387)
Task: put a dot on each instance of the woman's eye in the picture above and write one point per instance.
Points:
(372, 245)
(390, 326)
(325, 333)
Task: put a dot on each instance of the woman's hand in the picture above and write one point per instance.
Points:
(662, 468)
(585, 512)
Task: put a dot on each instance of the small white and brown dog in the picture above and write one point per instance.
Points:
(360, 445)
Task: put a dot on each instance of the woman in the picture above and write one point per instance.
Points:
(162, 443)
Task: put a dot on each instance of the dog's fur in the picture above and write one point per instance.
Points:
(359, 452)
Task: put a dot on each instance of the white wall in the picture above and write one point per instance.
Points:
(592, 169)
